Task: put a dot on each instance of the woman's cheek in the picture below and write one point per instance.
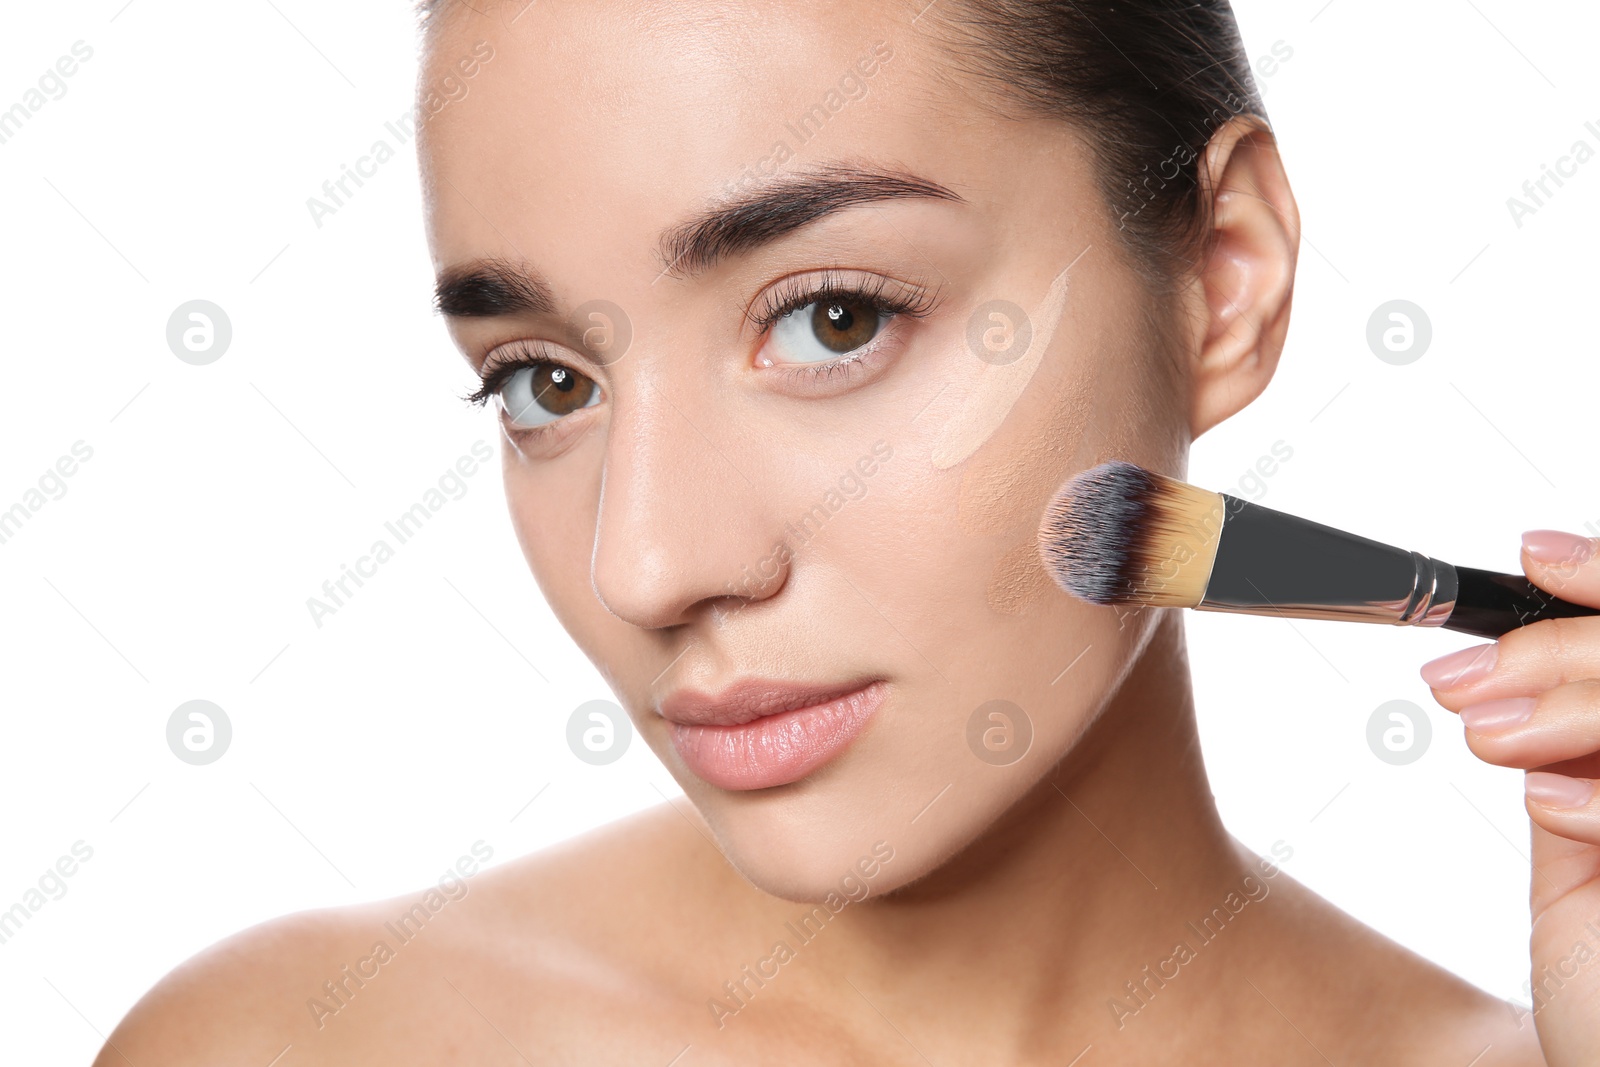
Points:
(929, 575)
(558, 541)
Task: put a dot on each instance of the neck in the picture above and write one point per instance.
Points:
(1044, 924)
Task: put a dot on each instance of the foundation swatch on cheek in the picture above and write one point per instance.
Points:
(1010, 491)
(999, 386)
(1000, 498)
(1019, 580)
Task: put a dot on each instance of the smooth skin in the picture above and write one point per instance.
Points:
(1020, 901)
(1531, 700)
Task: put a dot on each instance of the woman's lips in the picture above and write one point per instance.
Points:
(766, 734)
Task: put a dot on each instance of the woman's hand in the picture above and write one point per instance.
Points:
(1532, 700)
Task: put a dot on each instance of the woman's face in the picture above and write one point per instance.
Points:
(706, 494)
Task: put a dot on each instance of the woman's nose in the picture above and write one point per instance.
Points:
(682, 524)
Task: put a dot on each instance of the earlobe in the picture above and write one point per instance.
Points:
(1248, 278)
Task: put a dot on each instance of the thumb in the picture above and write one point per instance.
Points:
(1564, 564)
(1565, 943)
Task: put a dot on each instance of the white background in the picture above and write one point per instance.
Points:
(427, 712)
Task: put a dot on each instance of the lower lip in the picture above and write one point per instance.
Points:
(776, 749)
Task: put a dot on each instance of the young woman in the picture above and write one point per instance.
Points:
(795, 316)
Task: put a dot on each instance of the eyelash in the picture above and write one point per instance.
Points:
(794, 293)
(498, 370)
(791, 295)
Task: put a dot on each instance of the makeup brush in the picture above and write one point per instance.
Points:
(1120, 534)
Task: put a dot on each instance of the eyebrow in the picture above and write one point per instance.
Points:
(495, 286)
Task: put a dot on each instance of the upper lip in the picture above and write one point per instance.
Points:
(748, 700)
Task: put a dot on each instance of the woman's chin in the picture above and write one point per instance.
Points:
(803, 853)
(833, 877)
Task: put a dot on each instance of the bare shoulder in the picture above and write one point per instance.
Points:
(522, 951)
(1407, 1009)
(239, 999)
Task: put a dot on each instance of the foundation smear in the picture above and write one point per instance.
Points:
(1019, 580)
(1000, 386)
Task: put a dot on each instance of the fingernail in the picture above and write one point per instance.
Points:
(1555, 546)
(1492, 716)
(1557, 790)
(1459, 668)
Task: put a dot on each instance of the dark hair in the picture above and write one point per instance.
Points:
(1149, 81)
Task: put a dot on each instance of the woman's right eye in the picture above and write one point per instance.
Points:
(535, 394)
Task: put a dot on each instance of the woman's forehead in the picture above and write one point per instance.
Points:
(734, 90)
(573, 110)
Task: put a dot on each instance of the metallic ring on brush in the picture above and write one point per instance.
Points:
(1120, 534)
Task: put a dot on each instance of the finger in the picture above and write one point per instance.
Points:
(1564, 983)
(1561, 867)
(1523, 662)
(1558, 725)
(1564, 564)
(1567, 807)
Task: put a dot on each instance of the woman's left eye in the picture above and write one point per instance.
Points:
(540, 393)
(826, 329)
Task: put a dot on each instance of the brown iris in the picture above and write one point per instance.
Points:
(844, 325)
(560, 390)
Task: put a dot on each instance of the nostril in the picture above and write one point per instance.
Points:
(635, 584)
(655, 586)
(677, 532)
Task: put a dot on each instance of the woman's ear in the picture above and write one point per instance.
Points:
(1248, 279)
